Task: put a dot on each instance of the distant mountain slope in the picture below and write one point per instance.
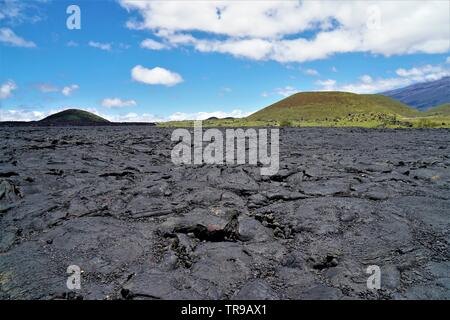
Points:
(312, 106)
(73, 116)
(423, 95)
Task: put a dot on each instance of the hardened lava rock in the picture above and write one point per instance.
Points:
(109, 200)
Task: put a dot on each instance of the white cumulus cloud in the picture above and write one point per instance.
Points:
(133, 117)
(326, 84)
(405, 77)
(153, 45)
(7, 88)
(311, 72)
(178, 116)
(286, 91)
(21, 115)
(117, 103)
(377, 85)
(101, 46)
(155, 76)
(9, 37)
(67, 91)
(27, 115)
(424, 73)
(336, 27)
(16, 12)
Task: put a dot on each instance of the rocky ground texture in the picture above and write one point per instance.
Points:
(109, 200)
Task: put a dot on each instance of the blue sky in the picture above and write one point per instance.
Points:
(163, 60)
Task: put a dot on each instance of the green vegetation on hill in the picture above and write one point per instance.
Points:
(335, 109)
(442, 110)
(333, 106)
(73, 116)
(392, 105)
